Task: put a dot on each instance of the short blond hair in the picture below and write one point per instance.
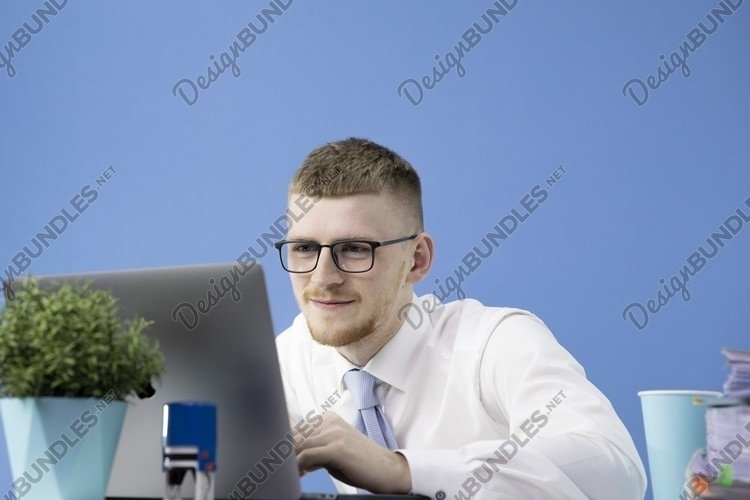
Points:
(355, 165)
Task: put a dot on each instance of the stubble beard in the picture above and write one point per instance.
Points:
(333, 336)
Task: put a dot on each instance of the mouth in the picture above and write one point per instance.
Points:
(331, 305)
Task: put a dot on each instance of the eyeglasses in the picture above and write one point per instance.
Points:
(351, 256)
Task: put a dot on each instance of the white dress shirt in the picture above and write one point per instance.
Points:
(484, 404)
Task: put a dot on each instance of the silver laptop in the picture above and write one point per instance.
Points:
(213, 325)
(224, 354)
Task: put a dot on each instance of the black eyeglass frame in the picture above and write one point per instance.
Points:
(373, 246)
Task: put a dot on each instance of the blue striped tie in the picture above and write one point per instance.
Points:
(370, 419)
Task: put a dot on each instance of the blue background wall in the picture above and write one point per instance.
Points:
(643, 186)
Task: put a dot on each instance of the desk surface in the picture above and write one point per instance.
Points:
(310, 496)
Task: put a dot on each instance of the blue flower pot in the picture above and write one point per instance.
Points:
(60, 448)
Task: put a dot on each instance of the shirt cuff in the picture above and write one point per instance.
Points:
(437, 474)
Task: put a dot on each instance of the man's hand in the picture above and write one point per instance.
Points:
(352, 457)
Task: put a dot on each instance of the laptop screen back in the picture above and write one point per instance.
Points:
(213, 326)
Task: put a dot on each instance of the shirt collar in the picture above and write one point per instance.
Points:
(394, 362)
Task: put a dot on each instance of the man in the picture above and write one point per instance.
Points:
(453, 400)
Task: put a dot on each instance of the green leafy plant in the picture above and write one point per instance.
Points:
(71, 342)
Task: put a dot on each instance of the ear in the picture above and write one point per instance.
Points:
(421, 259)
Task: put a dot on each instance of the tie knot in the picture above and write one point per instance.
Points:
(362, 386)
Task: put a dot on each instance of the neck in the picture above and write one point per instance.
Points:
(362, 351)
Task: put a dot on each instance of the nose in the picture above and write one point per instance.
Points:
(326, 273)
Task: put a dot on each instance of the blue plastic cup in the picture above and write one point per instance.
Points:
(675, 425)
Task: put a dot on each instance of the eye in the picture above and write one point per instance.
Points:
(302, 248)
(355, 248)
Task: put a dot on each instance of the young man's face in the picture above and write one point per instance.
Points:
(367, 302)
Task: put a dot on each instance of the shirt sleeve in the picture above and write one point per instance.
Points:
(558, 435)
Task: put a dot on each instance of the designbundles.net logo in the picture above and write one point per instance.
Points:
(471, 261)
(414, 89)
(189, 312)
(57, 225)
(638, 314)
(23, 35)
(188, 89)
(638, 90)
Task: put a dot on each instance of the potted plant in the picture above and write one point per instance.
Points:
(67, 362)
